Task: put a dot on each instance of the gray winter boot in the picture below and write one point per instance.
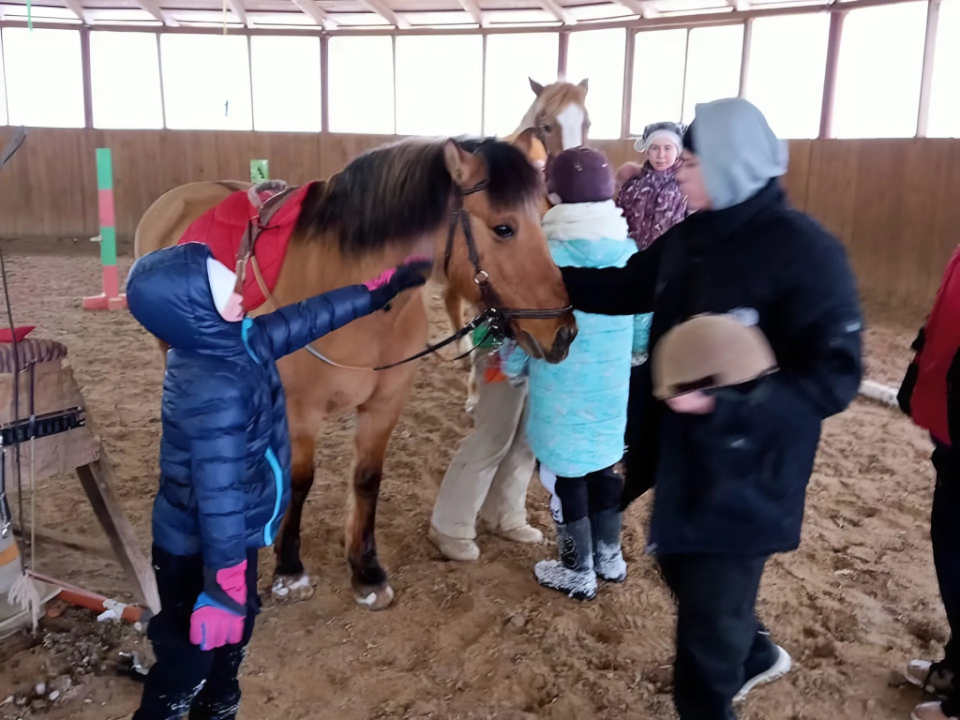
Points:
(607, 550)
(573, 573)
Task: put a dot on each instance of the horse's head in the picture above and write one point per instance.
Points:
(558, 116)
(501, 192)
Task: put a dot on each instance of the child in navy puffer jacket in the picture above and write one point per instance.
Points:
(224, 461)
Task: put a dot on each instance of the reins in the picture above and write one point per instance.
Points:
(496, 317)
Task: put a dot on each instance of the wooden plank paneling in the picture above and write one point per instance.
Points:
(336, 151)
(798, 173)
(831, 185)
(892, 202)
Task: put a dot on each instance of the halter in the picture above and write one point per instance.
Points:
(496, 315)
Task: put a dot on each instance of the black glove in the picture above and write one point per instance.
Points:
(390, 283)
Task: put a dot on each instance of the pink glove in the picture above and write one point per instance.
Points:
(221, 610)
(419, 262)
(380, 280)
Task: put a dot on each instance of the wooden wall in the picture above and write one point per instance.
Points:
(894, 203)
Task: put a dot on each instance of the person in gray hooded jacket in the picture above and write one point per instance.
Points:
(731, 465)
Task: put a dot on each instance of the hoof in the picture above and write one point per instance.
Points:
(373, 598)
(292, 588)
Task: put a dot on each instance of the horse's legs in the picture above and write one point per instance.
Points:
(290, 582)
(374, 425)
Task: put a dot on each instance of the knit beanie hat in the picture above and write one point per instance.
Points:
(660, 131)
(581, 175)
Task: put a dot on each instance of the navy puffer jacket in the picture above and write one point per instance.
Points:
(225, 450)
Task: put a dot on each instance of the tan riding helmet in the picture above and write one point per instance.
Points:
(709, 351)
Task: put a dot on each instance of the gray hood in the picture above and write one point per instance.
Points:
(738, 152)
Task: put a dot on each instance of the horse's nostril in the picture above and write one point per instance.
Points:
(566, 336)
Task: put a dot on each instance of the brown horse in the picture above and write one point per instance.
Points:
(473, 205)
(558, 120)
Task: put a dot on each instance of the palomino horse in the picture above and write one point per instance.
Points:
(559, 120)
(473, 205)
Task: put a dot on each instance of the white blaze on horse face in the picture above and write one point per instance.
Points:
(571, 126)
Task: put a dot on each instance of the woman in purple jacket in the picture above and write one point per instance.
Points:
(652, 203)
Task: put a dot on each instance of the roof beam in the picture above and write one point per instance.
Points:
(239, 10)
(153, 7)
(77, 9)
(386, 13)
(644, 8)
(310, 8)
(475, 12)
(552, 7)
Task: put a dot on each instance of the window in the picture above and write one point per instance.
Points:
(361, 84)
(878, 78)
(286, 83)
(439, 80)
(44, 79)
(125, 74)
(788, 56)
(511, 61)
(713, 66)
(944, 118)
(658, 67)
(206, 82)
(598, 56)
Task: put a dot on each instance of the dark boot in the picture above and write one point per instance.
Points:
(607, 551)
(573, 573)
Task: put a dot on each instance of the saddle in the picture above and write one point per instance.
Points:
(250, 231)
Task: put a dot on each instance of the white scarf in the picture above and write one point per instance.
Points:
(585, 221)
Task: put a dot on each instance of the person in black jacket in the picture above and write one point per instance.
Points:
(731, 466)
(224, 461)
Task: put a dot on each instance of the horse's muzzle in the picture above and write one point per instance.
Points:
(558, 351)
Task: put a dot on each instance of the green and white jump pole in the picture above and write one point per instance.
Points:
(110, 298)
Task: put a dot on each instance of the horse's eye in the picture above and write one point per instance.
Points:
(547, 128)
(504, 232)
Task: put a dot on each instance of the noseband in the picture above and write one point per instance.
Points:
(497, 317)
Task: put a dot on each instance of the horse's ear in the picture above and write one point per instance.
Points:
(584, 85)
(465, 168)
(535, 86)
(524, 141)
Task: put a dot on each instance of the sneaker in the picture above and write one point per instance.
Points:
(930, 711)
(780, 666)
(934, 678)
(454, 548)
(525, 533)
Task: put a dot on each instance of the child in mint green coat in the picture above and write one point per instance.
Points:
(578, 408)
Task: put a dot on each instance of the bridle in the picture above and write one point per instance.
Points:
(495, 316)
(498, 316)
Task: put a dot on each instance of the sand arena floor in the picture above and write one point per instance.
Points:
(483, 640)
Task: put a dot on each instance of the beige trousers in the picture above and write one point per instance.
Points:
(489, 475)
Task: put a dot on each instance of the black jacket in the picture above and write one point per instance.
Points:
(734, 481)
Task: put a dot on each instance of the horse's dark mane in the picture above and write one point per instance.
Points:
(401, 192)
